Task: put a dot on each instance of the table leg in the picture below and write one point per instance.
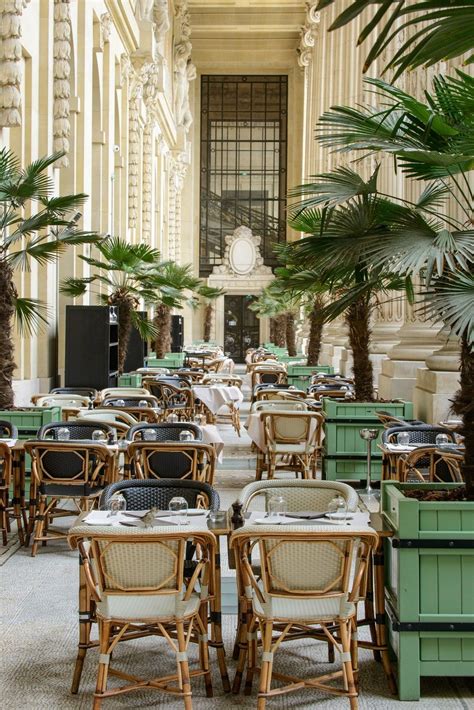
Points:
(18, 501)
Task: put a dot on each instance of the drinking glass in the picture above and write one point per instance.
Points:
(172, 417)
(197, 419)
(143, 403)
(116, 505)
(186, 435)
(442, 439)
(178, 508)
(63, 434)
(120, 403)
(337, 507)
(149, 434)
(98, 435)
(276, 506)
(403, 438)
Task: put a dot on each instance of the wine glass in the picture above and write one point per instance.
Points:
(143, 403)
(178, 508)
(276, 506)
(442, 439)
(116, 504)
(186, 435)
(149, 434)
(98, 435)
(120, 403)
(337, 508)
(173, 417)
(403, 438)
(63, 434)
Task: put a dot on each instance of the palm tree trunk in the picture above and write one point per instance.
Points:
(280, 331)
(124, 328)
(162, 323)
(208, 315)
(273, 326)
(7, 351)
(358, 321)
(464, 406)
(291, 334)
(315, 331)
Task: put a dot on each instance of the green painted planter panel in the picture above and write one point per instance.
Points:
(30, 419)
(309, 369)
(289, 359)
(345, 419)
(161, 362)
(350, 469)
(129, 380)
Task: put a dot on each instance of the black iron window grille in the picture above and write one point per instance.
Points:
(243, 162)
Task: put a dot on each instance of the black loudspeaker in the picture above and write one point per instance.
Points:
(137, 348)
(177, 338)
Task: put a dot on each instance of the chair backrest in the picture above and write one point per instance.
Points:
(419, 434)
(6, 470)
(169, 394)
(152, 371)
(230, 380)
(165, 431)
(291, 427)
(130, 401)
(142, 495)
(120, 428)
(110, 415)
(79, 430)
(69, 464)
(8, 430)
(122, 392)
(62, 400)
(299, 495)
(279, 405)
(287, 394)
(174, 380)
(192, 460)
(89, 392)
(306, 564)
(389, 420)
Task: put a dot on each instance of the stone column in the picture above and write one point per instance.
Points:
(437, 382)
(417, 341)
(388, 319)
(334, 342)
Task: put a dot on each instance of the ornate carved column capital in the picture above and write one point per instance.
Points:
(61, 76)
(105, 29)
(11, 62)
(308, 34)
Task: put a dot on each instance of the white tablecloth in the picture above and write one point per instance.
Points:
(210, 435)
(215, 397)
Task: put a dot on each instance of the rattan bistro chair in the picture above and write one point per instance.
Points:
(137, 579)
(292, 441)
(79, 430)
(153, 493)
(172, 398)
(299, 494)
(279, 405)
(311, 581)
(65, 470)
(191, 460)
(164, 431)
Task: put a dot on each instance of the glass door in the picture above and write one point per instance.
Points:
(241, 327)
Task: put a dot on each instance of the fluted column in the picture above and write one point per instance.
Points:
(437, 382)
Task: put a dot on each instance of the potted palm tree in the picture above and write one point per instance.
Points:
(339, 210)
(130, 274)
(208, 296)
(431, 141)
(35, 226)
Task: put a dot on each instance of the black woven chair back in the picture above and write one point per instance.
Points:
(169, 393)
(165, 431)
(329, 387)
(172, 464)
(78, 430)
(128, 401)
(175, 380)
(82, 391)
(142, 495)
(419, 434)
(8, 430)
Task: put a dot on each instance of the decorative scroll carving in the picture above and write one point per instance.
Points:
(61, 74)
(144, 9)
(147, 181)
(242, 257)
(308, 34)
(11, 62)
(133, 153)
(177, 172)
(105, 29)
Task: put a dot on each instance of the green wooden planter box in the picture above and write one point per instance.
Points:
(429, 567)
(345, 419)
(162, 362)
(29, 420)
(129, 380)
(290, 359)
(350, 469)
(300, 375)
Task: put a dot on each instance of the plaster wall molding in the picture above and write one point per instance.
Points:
(242, 257)
(61, 79)
(184, 71)
(308, 34)
(11, 62)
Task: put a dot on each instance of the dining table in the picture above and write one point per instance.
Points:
(217, 396)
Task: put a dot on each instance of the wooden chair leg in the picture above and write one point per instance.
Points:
(184, 666)
(251, 654)
(267, 665)
(103, 670)
(204, 649)
(347, 663)
(39, 525)
(355, 652)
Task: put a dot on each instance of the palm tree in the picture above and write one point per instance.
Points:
(282, 306)
(430, 30)
(208, 297)
(432, 141)
(316, 324)
(338, 212)
(34, 225)
(129, 273)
